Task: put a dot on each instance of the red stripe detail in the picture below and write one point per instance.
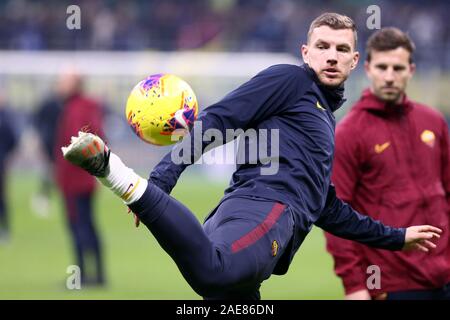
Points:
(91, 149)
(97, 145)
(258, 232)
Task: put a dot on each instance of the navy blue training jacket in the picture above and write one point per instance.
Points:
(291, 99)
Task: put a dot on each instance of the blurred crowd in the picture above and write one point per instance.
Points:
(229, 25)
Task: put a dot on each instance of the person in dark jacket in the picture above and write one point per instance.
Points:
(8, 140)
(76, 185)
(392, 163)
(45, 122)
(276, 194)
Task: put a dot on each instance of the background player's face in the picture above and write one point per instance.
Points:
(331, 54)
(69, 83)
(389, 73)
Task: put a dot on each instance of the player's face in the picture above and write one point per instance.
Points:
(331, 54)
(389, 73)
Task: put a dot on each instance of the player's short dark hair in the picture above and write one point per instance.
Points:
(335, 21)
(389, 39)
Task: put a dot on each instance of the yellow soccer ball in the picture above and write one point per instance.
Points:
(161, 109)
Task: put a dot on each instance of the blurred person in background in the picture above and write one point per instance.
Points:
(8, 140)
(79, 112)
(45, 121)
(392, 163)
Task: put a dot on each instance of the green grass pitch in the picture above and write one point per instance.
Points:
(33, 263)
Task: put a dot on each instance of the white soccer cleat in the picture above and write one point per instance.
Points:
(89, 152)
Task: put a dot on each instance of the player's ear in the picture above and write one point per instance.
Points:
(304, 49)
(366, 66)
(355, 60)
(412, 69)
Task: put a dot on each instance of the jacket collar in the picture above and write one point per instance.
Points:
(369, 101)
(333, 95)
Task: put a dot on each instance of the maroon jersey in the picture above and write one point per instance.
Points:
(392, 163)
(79, 113)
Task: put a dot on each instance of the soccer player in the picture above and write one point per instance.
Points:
(76, 185)
(392, 163)
(262, 220)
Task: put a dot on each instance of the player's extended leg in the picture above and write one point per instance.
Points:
(90, 241)
(237, 249)
(229, 260)
(72, 213)
(85, 241)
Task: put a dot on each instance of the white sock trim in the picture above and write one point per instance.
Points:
(123, 181)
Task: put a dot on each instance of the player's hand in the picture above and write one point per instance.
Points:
(362, 294)
(137, 222)
(419, 238)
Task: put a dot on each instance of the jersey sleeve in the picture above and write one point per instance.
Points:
(343, 221)
(269, 93)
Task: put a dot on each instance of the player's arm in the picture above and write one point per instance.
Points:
(269, 92)
(341, 220)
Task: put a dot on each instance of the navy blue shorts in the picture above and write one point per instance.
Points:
(241, 243)
(251, 235)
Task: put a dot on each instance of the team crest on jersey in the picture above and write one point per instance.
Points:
(274, 248)
(428, 137)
